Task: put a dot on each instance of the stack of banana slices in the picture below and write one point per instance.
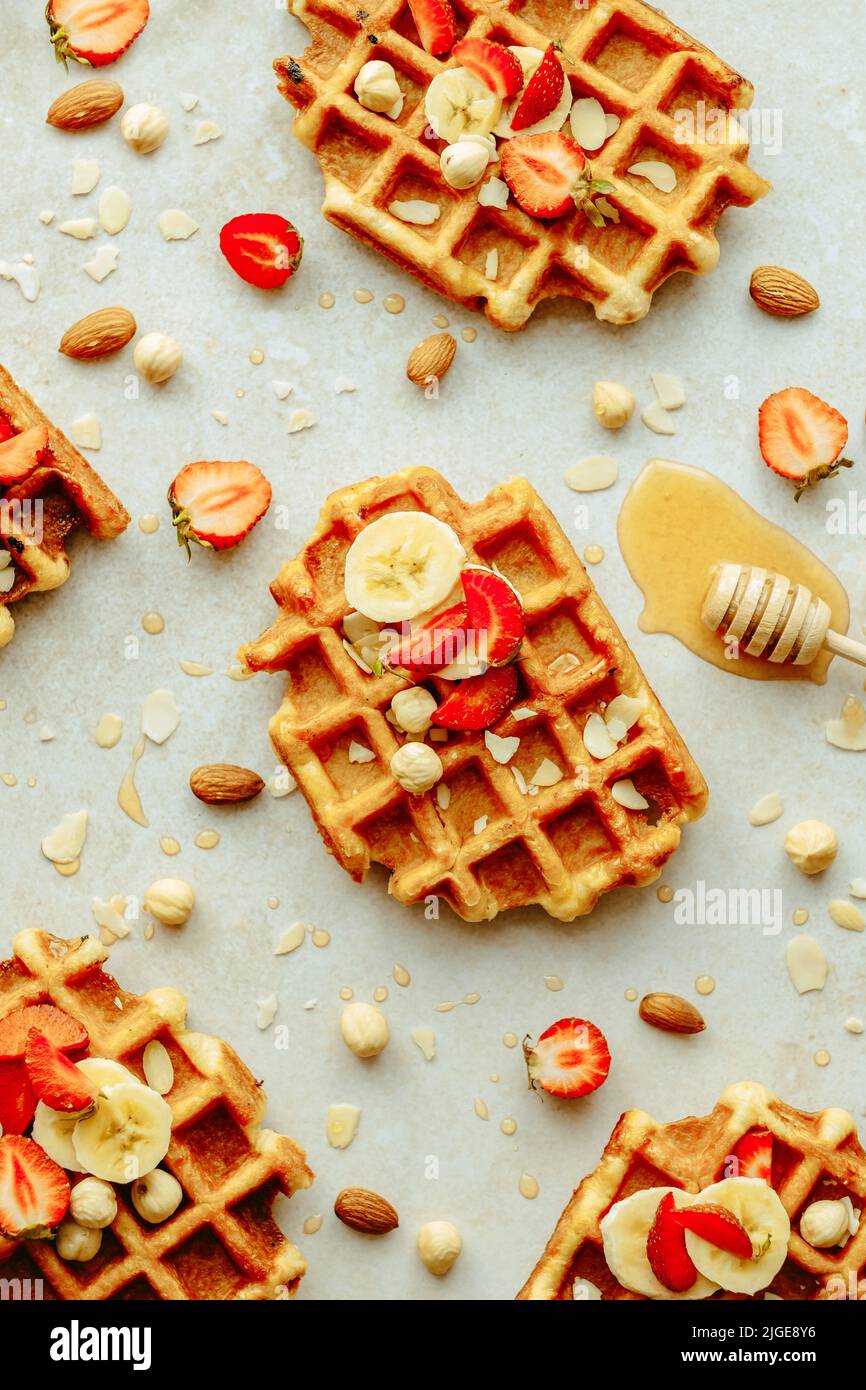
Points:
(123, 1137)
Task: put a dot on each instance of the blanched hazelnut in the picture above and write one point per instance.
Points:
(416, 767)
(93, 1204)
(612, 404)
(811, 846)
(170, 901)
(377, 88)
(824, 1224)
(439, 1244)
(364, 1029)
(74, 1242)
(463, 163)
(144, 127)
(412, 709)
(157, 357)
(156, 1196)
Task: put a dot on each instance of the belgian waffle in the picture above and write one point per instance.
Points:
(561, 848)
(814, 1156)
(222, 1243)
(629, 56)
(69, 494)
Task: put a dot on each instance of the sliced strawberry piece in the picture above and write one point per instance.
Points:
(6, 430)
(541, 93)
(570, 1059)
(95, 32)
(61, 1028)
(34, 1190)
(493, 63)
(436, 25)
(216, 504)
(494, 609)
(20, 453)
(548, 175)
(262, 248)
(432, 645)
(479, 702)
(666, 1250)
(55, 1079)
(717, 1225)
(754, 1155)
(801, 437)
(17, 1097)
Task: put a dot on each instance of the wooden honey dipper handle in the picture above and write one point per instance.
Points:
(772, 617)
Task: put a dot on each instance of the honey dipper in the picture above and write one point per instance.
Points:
(772, 617)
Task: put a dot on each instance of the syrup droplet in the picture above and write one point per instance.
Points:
(822, 1057)
(169, 845)
(363, 296)
(528, 1186)
(664, 893)
(149, 524)
(593, 555)
(508, 1125)
(401, 975)
(394, 303)
(320, 937)
(326, 300)
(469, 334)
(154, 623)
(510, 1039)
(705, 984)
(207, 839)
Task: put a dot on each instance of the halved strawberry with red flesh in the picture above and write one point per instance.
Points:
(570, 1059)
(432, 645)
(542, 92)
(801, 437)
(493, 63)
(17, 1097)
(479, 702)
(55, 1079)
(494, 609)
(544, 172)
(263, 248)
(20, 453)
(61, 1028)
(216, 504)
(436, 25)
(34, 1190)
(666, 1250)
(95, 32)
(717, 1225)
(754, 1155)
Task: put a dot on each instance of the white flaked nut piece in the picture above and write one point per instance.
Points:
(439, 1244)
(824, 1224)
(93, 1204)
(170, 901)
(416, 767)
(811, 846)
(612, 404)
(157, 357)
(156, 1196)
(377, 88)
(364, 1029)
(144, 127)
(412, 709)
(74, 1242)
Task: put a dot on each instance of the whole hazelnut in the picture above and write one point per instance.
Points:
(811, 846)
(439, 1244)
(74, 1242)
(157, 357)
(170, 901)
(412, 709)
(612, 404)
(824, 1224)
(156, 1196)
(93, 1204)
(364, 1029)
(416, 767)
(144, 127)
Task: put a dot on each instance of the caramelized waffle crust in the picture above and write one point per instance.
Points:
(71, 494)
(222, 1243)
(629, 56)
(814, 1157)
(493, 846)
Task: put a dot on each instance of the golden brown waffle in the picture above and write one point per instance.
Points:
(222, 1243)
(814, 1157)
(67, 493)
(629, 56)
(561, 848)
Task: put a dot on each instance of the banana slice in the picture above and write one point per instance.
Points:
(52, 1129)
(125, 1136)
(458, 103)
(529, 59)
(402, 564)
(760, 1210)
(625, 1229)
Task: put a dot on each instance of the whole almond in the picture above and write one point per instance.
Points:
(365, 1211)
(671, 1013)
(215, 782)
(782, 292)
(88, 104)
(430, 360)
(98, 334)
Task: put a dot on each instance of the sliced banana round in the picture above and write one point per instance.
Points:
(625, 1229)
(52, 1129)
(458, 103)
(759, 1209)
(126, 1134)
(529, 59)
(402, 564)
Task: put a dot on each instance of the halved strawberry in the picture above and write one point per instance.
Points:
(432, 645)
(801, 437)
(754, 1155)
(95, 32)
(34, 1190)
(55, 1079)
(64, 1031)
(493, 63)
(6, 429)
(216, 504)
(17, 1097)
(479, 702)
(20, 453)
(548, 175)
(666, 1250)
(718, 1226)
(436, 25)
(570, 1059)
(262, 248)
(494, 609)
(541, 93)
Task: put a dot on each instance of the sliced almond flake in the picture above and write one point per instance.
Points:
(266, 1011)
(158, 1067)
(358, 625)
(102, 264)
(342, 1125)
(767, 809)
(300, 420)
(356, 657)
(220, 416)
(479, 825)
(188, 100)
(501, 750)
(659, 174)
(849, 730)
(853, 1216)
(807, 964)
(177, 225)
(114, 209)
(523, 713)
(290, 939)
(857, 888)
(63, 845)
(415, 210)
(592, 474)
(195, 668)
(46, 217)
(853, 1025)
(564, 663)
(596, 738)
(281, 784)
(626, 793)
(86, 432)
(343, 385)
(547, 774)
(443, 796)
(669, 389)
(359, 754)
(160, 715)
(493, 194)
(656, 418)
(520, 780)
(109, 917)
(85, 175)
(491, 264)
(625, 710)
(846, 915)
(82, 228)
(282, 389)
(588, 123)
(425, 1039)
(206, 131)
